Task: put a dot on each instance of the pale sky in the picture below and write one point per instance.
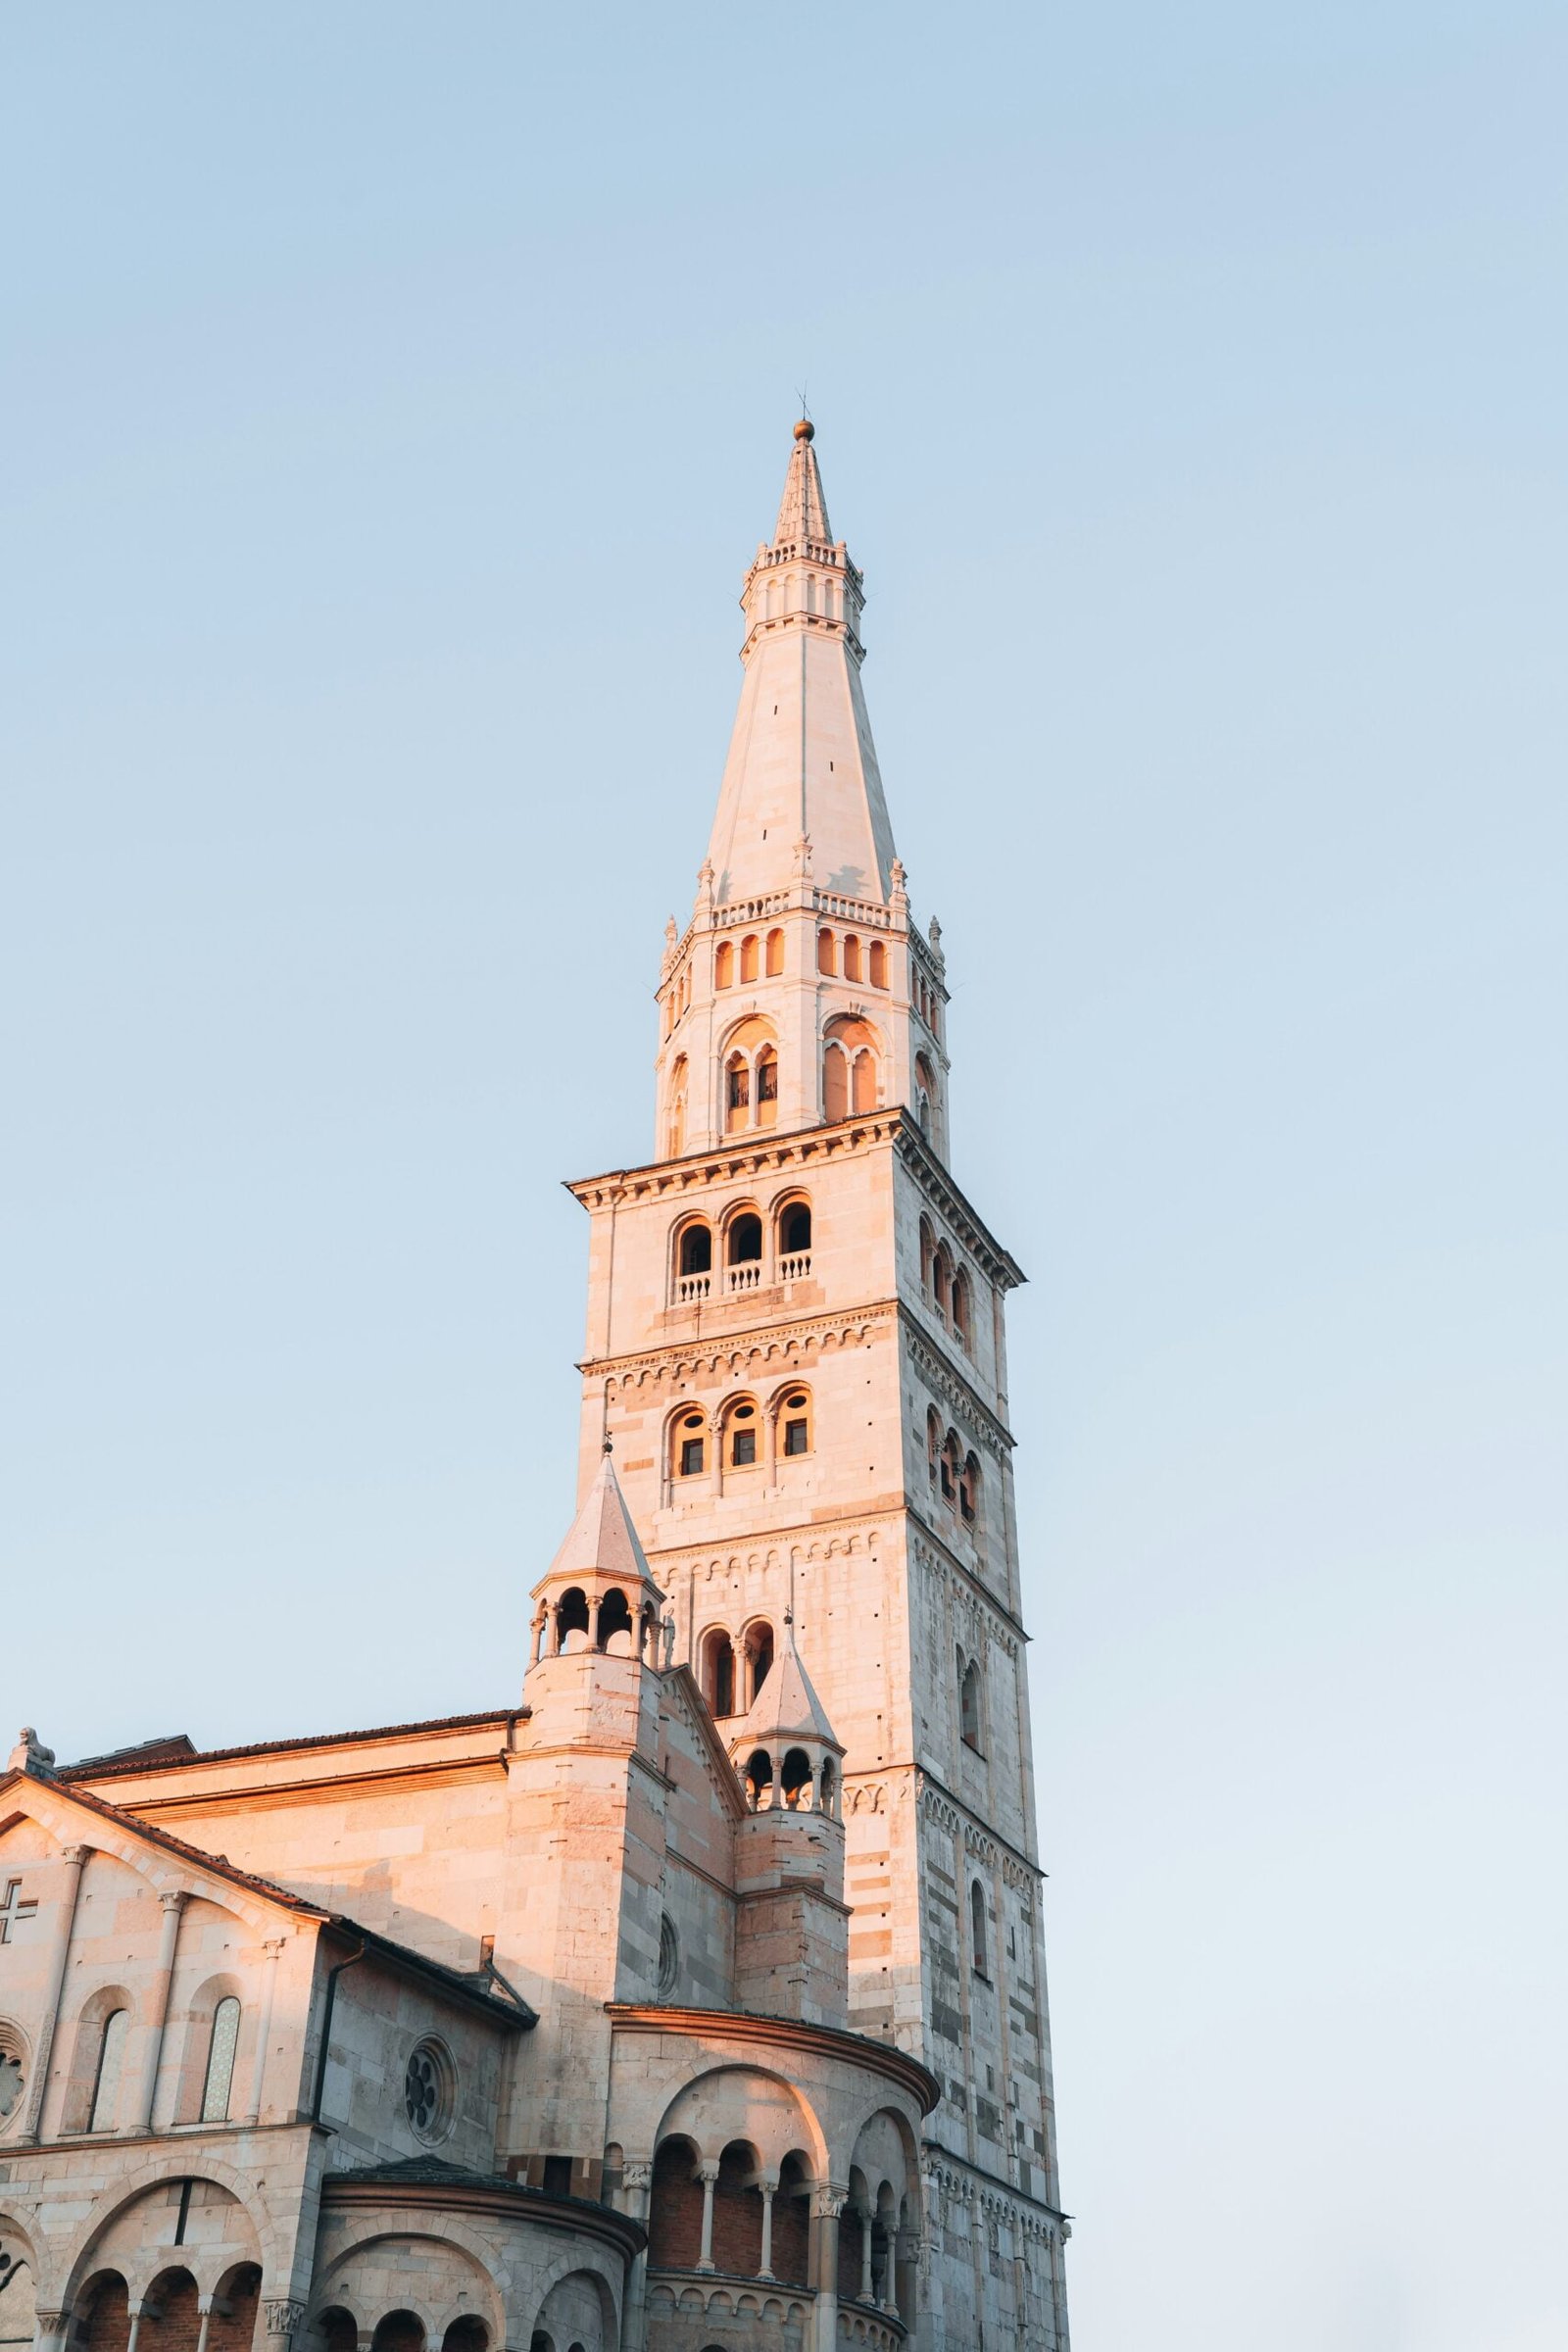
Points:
(392, 400)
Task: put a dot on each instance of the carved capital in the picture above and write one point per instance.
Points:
(75, 1856)
(636, 2174)
(706, 2171)
(828, 2203)
(283, 2315)
(172, 1899)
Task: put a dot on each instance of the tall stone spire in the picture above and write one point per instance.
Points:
(801, 767)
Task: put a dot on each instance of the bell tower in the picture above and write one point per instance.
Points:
(796, 1339)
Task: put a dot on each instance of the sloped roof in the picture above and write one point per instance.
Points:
(786, 1707)
(602, 1539)
(481, 1988)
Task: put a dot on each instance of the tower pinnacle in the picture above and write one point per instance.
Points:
(802, 762)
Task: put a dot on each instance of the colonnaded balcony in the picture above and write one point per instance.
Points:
(735, 2244)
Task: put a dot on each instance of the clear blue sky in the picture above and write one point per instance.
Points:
(392, 398)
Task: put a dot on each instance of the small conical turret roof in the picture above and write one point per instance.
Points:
(803, 509)
(786, 1707)
(602, 1542)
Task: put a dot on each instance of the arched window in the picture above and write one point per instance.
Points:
(688, 1450)
(737, 1092)
(675, 2208)
(742, 1435)
(766, 1088)
(826, 952)
(758, 1659)
(862, 1081)
(949, 1469)
(724, 965)
(970, 1702)
(717, 1656)
(795, 1423)
(793, 1241)
(933, 1443)
(106, 2079)
(615, 1622)
(928, 1250)
(829, 601)
(878, 961)
(775, 954)
(925, 1092)
(959, 1307)
(677, 1107)
(942, 1281)
(751, 948)
(743, 1239)
(220, 2050)
(795, 1780)
(977, 1926)
(758, 1779)
(969, 1491)
(852, 957)
(834, 1084)
(694, 1260)
(571, 1620)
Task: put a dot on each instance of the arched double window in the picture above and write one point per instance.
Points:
(751, 1077)
(850, 1062)
(794, 1424)
(688, 1446)
(743, 1433)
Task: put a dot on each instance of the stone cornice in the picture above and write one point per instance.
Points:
(931, 1550)
(846, 1327)
(941, 1372)
(491, 2195)
(944, 1197)
(807, 1539)
(826, 2042)
(957, 2176)
(743, 1156)
(942, 1804)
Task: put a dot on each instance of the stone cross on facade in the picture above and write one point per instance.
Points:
(13, 1911)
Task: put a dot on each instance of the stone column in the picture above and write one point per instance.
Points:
(74, 1857)
(593, 1622)
(50, 2330)
(826, 2206)
(204, 2304)
(137, 2306)
(707, 2174)
(263, 2035)
(172, 1900)
(863, 2214)
(636, 2197)
(767, 2184)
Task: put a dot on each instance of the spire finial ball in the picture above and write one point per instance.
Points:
(805, 430)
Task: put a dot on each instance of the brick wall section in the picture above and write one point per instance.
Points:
(675, 2222)
(791, 2237)
(234, 2330)
(174, 2324)
(737, 2217)
(108, 2328)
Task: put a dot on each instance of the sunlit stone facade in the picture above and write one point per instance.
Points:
(694, 1998)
